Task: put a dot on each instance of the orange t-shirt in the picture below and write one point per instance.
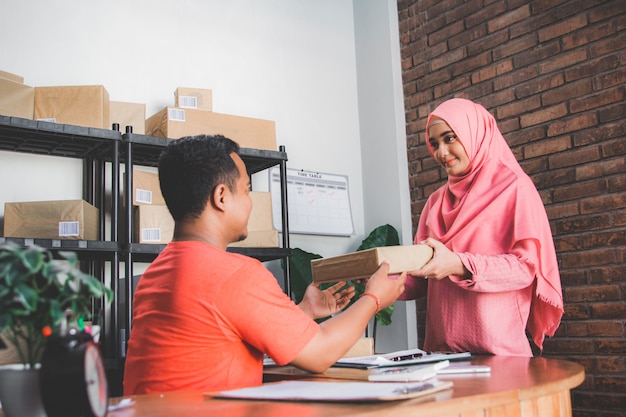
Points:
(203, 318)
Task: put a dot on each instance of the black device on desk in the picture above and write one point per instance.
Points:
(73, 381)
(399, 358)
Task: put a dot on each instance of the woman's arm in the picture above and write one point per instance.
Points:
(482, 273)
(495, 273)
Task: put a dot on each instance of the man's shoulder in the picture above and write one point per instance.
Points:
(200, 252)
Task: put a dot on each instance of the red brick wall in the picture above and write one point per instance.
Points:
(553, 74)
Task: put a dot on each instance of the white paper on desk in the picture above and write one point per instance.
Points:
(336, 391)
(391, 359)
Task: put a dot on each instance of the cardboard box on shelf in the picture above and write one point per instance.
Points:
(258, 239)
(59, 219)
(16, 98)
(175, 122)
(128, 114)
(146, 188)
(12, 77)
(363, 264)
(152, 224)
(261, 233)
(194, 98)
(86, 105)
(261, 214)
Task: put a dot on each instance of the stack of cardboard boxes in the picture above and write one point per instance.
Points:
(152, 222)
(87, 106)
(193, 115)
(90, 106)
(82, 105)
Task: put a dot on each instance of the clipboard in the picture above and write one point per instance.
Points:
(335, 391)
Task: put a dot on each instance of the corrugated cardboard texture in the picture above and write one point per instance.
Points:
(152, 224)
(146, 188)
(195, 98)
(174, 123)
(16, 98)
(76, 105)
(128, 114)
(363, 264)
(42, 219)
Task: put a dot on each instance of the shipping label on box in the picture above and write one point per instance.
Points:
(194, 98)
(128, 114)
(152, 224)
(146, 188)
(174, 123)
(16, 98)
(61, 219)
(76, 105)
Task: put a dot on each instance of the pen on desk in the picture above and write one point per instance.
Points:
(406, 357)
(407, 389)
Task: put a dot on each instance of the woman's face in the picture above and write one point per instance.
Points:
(447, 148)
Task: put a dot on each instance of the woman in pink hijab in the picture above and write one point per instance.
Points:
(494, 274)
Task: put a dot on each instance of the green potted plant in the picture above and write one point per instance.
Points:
(36, 290)
(301, 276)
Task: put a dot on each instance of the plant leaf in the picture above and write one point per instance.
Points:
(300, 271)
(27, 296)
(385, 235)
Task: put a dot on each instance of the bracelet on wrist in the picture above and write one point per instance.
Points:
(374, 297)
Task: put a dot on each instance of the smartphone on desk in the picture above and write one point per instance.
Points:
(464, 368)
(407, 373)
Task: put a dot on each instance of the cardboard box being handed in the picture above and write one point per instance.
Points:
(362, 264)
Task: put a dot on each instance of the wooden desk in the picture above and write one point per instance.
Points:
(526, 387)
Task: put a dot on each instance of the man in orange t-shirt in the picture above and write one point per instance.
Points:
(203, 317)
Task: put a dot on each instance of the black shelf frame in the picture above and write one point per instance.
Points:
(96, 148)
(143, 150)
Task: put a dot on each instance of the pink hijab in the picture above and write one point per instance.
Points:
(492, 208)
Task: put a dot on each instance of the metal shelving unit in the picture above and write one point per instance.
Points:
(145, 151)
(103, 152)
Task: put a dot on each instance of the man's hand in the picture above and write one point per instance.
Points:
(318, 303)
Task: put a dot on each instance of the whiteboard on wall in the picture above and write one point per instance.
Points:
(318, 203)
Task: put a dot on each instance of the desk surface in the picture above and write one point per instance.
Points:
(515, 387)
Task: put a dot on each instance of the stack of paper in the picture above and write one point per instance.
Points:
(336, 391)
(407, 373)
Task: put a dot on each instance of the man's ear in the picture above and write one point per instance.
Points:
(219, 196)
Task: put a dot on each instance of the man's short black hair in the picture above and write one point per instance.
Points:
(191, 167)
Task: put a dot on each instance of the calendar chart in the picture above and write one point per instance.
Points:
(318, 203)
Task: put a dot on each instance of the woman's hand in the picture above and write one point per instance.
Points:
(443, 263)
(323, 303)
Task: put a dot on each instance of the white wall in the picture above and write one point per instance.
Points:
(386, 197)
(291, 61)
